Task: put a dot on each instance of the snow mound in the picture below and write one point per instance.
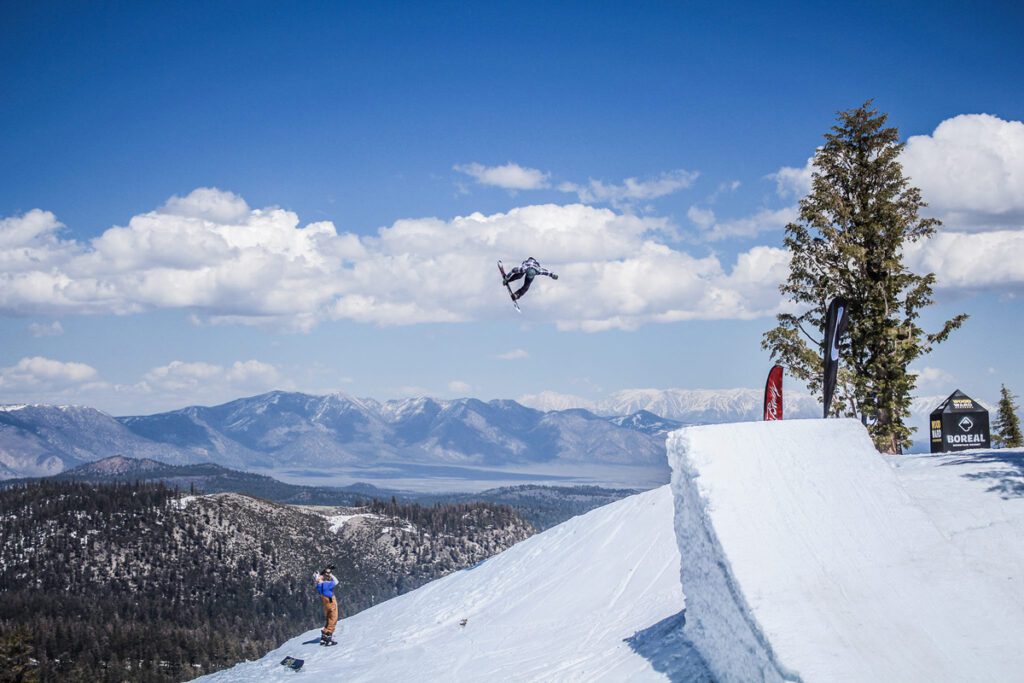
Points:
(809, 556)
(338, 522)
(596, 598)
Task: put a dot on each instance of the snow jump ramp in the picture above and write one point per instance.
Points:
(805, 558)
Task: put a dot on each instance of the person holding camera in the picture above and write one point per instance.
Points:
(325, 583)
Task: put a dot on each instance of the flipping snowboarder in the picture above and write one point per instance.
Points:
(529, 269)
(325, 583)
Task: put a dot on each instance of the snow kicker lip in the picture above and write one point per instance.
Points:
(806, 554)
(720, 614)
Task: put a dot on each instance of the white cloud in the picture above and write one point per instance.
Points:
(702, 218)
(34, 226)
(199, 379)
(54, 329)
(932, 379)
(631, 190)
(37, 373)
(168, 387)
(765, 220)
(30, 247)
(459, 387)
(514, 354)
(988, 260)
(510, 176)
(411, 391)
(265, 267)
(724, 188)
(794, 182)
(210, 204)
(970, 171)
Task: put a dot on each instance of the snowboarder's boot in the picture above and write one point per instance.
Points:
(327, 639)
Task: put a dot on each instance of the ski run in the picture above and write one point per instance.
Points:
(804, 555)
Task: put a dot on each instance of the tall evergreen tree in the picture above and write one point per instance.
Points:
(1007, 426)
(849, 239)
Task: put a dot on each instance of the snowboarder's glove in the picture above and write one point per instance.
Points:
(553, 276)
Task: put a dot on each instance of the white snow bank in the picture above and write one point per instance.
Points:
(809, 556)
(337, 522)
(183, 502)
(596, 598)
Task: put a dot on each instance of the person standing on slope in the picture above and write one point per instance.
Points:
(530, 268)
(325, 584)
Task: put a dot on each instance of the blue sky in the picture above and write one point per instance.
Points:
(186, 127)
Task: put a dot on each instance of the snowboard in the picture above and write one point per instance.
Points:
(501, 269)
(292, 663)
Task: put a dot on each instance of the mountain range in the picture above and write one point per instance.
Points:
(301, 431)
(293, 430)
(714, 406)
(688, 406)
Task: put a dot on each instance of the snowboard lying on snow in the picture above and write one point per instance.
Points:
(292, 663)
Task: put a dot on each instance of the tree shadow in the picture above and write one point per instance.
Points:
(1008, 481)
(668, 649)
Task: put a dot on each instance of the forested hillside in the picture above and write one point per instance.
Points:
(180, 585)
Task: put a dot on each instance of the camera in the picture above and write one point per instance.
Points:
(329, 569)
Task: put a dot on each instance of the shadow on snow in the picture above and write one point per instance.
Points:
(669, 651)
(1008, 481)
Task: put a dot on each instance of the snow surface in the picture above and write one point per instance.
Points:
(337, 522)
(805, 555)
(809, 556)
(596, 598)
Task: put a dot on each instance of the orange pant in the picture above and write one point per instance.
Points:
(331, 614)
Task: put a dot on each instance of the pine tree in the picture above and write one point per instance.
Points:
(17, 663)
(1007, 426)
(860, 213)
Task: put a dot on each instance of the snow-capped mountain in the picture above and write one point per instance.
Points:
(713, 406)
(647, 422)
(686, 406)
(301, 429)
(40, 440)
(281, 429)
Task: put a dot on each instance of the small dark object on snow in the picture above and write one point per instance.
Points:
(463, 622)
(292, 663)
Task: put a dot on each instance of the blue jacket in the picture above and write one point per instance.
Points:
(326, 588)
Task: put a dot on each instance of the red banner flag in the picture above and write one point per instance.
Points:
(773, 394)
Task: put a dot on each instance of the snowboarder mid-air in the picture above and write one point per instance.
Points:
(529, 269)
(325, 584)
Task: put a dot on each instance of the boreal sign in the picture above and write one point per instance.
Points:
(959, 423)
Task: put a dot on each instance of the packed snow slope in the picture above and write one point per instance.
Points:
(809, 556)
(596, 598)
